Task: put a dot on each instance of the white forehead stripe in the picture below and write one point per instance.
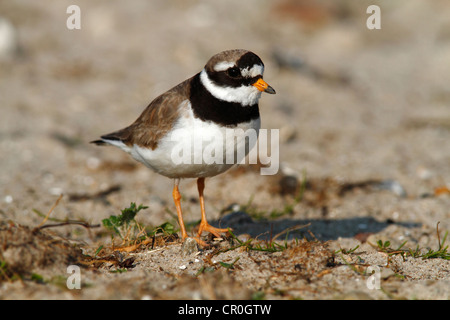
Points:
(245, 95)
(256, 70)
(222, 66)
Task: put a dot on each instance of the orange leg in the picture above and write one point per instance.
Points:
(204, 225)
(176, 198)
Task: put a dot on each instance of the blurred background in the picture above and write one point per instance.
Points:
(352, 104)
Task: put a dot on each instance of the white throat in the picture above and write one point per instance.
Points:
(245, 95)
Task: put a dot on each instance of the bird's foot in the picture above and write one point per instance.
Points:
(201, 242)
(205, 226)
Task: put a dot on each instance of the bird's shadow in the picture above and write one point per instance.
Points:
(320, 229)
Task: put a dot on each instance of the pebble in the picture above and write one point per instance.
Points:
(189, 247)
(56, 191)
(9, 199)
(393, 186)
(288, 185)
(8, 39)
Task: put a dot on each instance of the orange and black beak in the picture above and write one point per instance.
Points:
(263, 86)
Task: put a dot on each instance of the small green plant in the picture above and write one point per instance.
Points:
(124, 225)
(204, 269)
(166, 228)
(383, 246)
(5, 273)
(37, 278)
(132, 233)
(258, 295)
(268, 246)
(98, 250)
(119, 270)
(441, 253)
(345, 251)
(228, 265)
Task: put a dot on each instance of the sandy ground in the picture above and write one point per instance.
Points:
(364, 119)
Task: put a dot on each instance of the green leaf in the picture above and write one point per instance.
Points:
(228, 265)
(98, 250)
(167, 228)
(37, 278)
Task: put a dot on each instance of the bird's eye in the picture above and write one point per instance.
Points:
(234, 72)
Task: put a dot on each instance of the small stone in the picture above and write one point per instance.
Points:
(9, 46)
(393, 186)
(189, 246)
(9, 199)
(288, 185)
(244, 237)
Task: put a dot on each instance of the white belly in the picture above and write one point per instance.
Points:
(198, 149)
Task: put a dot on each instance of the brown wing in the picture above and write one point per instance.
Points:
(155, 121)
